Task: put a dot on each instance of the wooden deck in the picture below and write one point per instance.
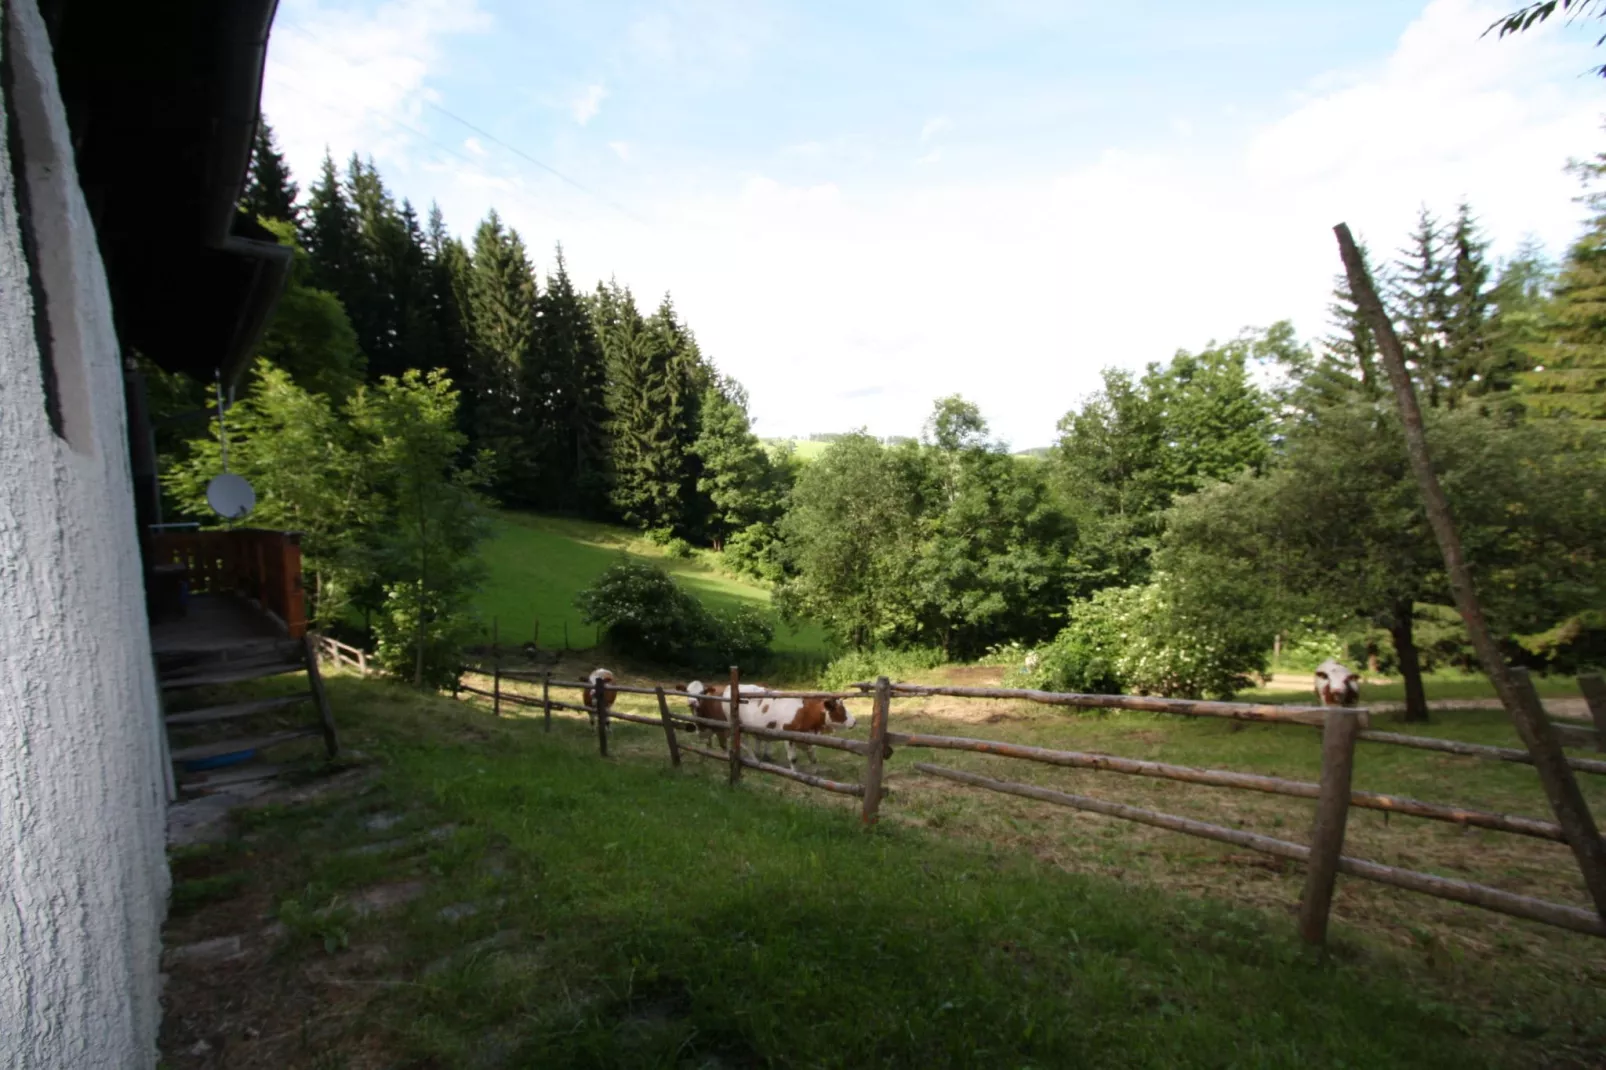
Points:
(214, 624)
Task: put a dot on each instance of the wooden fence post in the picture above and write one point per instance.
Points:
(326, 720)
(878, 751)
(565, 633)
(599, 700)
(1332, 814)
(546, 701)
(496, 673)
(1593, 685)
(733, 712)
(669, 728)
(1515, 689)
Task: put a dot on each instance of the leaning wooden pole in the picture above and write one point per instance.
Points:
(1522, 703)
(599, 699)
(669, 728)
(733, 711)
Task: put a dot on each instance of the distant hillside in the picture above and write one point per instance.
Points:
(537, 564)
(1037, 453)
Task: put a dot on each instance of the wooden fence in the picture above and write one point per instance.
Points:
(251, 562)
(1341, 730)
(343, 654)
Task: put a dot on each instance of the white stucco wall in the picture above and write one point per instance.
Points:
(83, 875)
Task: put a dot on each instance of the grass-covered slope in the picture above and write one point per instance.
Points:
(496, 896)
(538, 564)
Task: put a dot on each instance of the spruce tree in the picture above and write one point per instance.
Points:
(1519, 295)
(449, 270)
(573, 405)
(1349, 363)
(501, 300)
(1422, 307)
(372, 296)
(333, 242)
(1469, 322)
(269, 192)
(1569, 371)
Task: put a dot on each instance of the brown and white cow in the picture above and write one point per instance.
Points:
(1336, 685)
(711, 703)
(813, 715)
(598, 676)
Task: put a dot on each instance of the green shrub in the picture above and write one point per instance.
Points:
(754, 551)
(858, 666)
(1152, 640)
(678, 548)
(644, 613)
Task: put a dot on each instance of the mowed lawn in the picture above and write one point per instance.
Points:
(485, 894)
(537, 564)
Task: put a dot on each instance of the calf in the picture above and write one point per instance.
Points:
(598, 676)
(1336, 685)
(813, 715)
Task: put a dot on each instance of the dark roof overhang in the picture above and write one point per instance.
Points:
(162, 101)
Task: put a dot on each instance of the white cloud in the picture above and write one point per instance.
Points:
(472, 144)
(339, 78)
(931, 157)
(620, 149)
(1015, 291)
(933, 127)
(587, 103)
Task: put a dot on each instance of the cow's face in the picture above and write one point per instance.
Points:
(694, 691)
(838, 711)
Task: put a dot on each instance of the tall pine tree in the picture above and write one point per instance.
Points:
(269, 192)
(1469, 323)
(501, 298)
(1569, 372)
(333, 241)
(1422, 306)
(569, 397)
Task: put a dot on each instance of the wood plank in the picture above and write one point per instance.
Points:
(244, 743)
(235, 709)
(232, 676)
(1475, 750)
(201, 785)
(1238, 711)
(1225, 778)
(1519, 906)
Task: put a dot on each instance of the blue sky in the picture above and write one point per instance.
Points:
(861, 207)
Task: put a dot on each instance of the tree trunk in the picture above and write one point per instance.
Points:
(1400, 629)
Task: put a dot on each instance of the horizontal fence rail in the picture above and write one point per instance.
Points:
(1475, 750)
(1238, 711)
(1323, 857)
(1519, 906)
(1221, 778)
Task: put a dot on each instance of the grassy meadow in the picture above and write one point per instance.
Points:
(537, 564)
(479, 893)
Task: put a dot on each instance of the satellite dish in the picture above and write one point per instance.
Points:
(230, 496)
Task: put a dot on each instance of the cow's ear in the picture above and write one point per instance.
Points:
(680, 687)
(1321, 675)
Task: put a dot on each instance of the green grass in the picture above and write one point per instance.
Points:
(537, 565)
(625, 914)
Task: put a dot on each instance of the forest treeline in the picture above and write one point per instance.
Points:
(1187, 514)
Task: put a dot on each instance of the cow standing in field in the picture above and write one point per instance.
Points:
(711, 703)
(588, 697)
(813, 715)
(1336, 685)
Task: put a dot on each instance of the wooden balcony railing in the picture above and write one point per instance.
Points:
(250, 562)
